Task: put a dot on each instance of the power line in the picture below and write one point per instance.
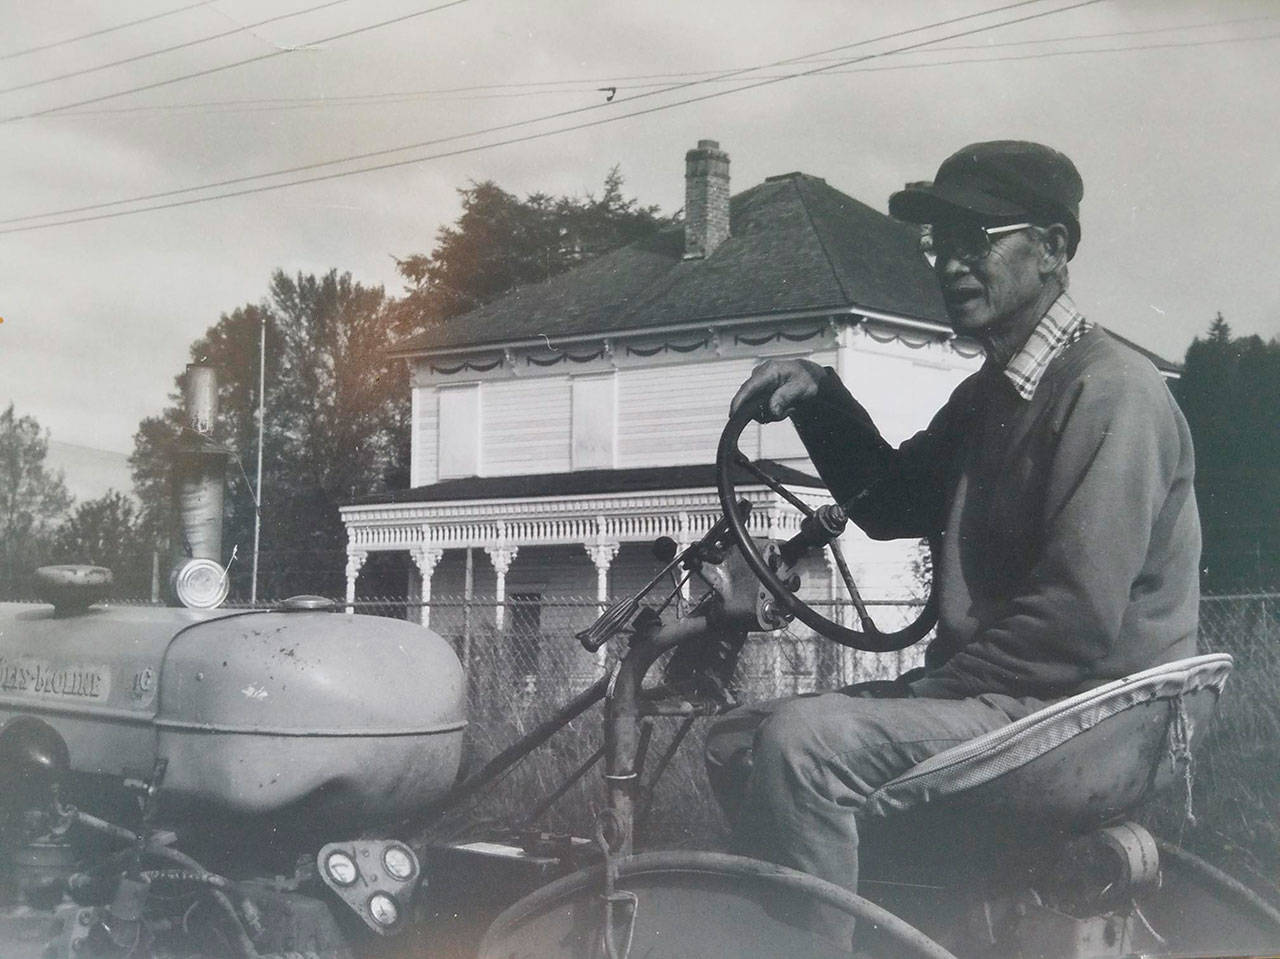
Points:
(527, 137)
(177, 46)
(1173, 44)
(302, 168)
(1107, 36)
(231, 66)
(1050, 54)
(98, 33)
(268, 103)
(515, 124)
(68, 106)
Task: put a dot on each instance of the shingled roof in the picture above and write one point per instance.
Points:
(795, 244)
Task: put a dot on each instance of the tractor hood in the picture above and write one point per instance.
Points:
(255, 712)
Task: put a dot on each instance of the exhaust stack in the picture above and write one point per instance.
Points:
(197, 578)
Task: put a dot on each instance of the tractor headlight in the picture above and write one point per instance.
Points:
(200, 584)
(383, 908)
(341, 868)
(399, 863)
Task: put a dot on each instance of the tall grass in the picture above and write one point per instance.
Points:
(1235, 809)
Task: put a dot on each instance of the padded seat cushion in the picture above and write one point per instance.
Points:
(1077, 762)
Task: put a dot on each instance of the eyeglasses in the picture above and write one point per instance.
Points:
(966, 242)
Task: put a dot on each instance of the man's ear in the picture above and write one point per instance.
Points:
(1055, 242)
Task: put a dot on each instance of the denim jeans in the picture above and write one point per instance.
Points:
(792, 774)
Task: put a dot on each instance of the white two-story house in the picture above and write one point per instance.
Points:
(560, 429)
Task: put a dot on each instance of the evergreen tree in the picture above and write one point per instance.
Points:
(1230, 393)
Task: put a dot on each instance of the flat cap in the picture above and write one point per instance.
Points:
(998, 179)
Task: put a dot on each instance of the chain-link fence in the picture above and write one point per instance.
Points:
(527, 648)
(1247, 627)
(523, 655)
(1235, 818)
(525, 663)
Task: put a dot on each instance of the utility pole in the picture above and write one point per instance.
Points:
(257, 492)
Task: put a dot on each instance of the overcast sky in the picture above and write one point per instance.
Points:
(1172, 120)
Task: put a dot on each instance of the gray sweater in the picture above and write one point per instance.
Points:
(1070, 540)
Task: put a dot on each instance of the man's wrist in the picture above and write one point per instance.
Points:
(828, 385)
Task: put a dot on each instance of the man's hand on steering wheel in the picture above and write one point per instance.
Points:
(772, 392)
(776, 387)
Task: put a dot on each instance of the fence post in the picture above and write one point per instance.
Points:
(468, 592)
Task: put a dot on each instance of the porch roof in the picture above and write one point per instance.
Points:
(580, 482)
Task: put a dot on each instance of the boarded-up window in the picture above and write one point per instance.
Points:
(594, 422)
(459, 427)
(526, 426)
(674, 414)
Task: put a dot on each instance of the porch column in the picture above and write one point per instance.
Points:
(683, 541)
(502, 557)
(602, 555)
(355, 560)
(425, 558)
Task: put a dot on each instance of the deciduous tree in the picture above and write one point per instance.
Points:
(500, 242)
(106, 532)
(335, 425)
(32, 499)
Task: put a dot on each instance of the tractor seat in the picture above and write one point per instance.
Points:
(1078, 764)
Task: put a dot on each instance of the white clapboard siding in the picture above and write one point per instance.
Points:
(936, 386)
(900, 393)
(673, 415)
(526, 426)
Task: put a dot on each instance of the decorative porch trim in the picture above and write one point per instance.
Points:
(579, 520)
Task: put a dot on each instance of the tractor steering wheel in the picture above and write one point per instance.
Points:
(869, 638)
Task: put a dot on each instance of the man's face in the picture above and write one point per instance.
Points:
(985, 293)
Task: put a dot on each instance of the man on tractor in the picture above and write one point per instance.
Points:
(1056, 483)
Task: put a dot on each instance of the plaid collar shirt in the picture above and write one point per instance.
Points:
(1061, 326)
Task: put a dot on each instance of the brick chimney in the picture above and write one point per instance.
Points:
(706, 199)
